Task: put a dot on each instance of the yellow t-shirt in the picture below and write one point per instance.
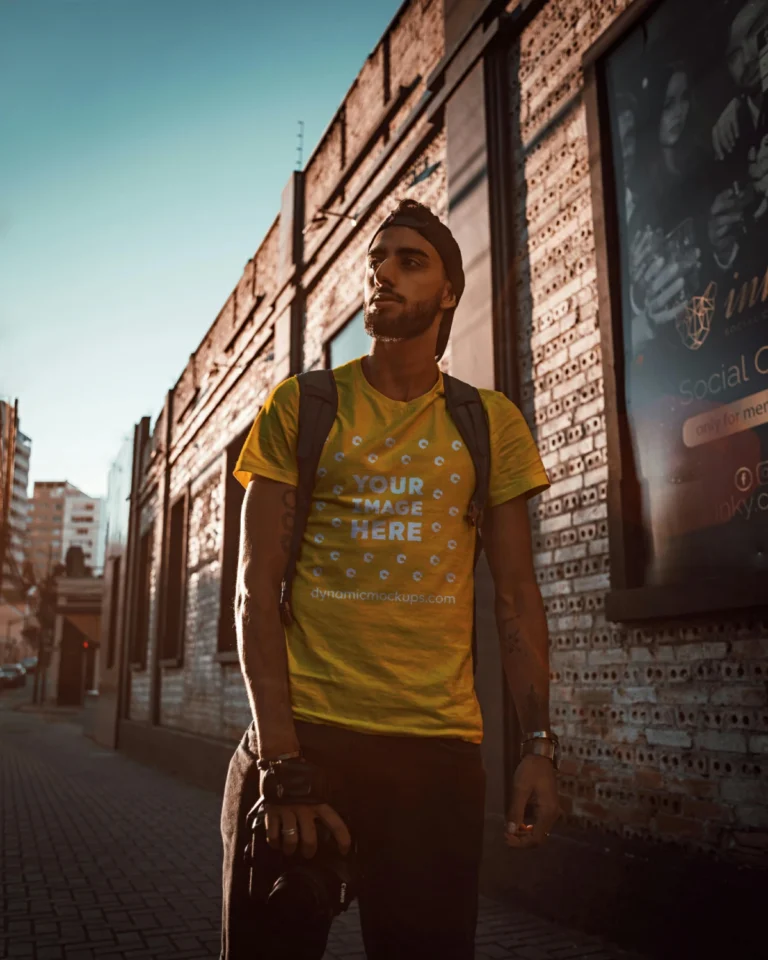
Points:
(383, 597)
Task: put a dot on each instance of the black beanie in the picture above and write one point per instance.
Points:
(410, 213)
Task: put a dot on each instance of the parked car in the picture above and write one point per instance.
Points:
(12, 675)
(29, 664)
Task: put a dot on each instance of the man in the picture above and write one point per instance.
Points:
(372, 680)
(736, 221)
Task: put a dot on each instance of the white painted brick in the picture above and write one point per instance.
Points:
(557, 588)
(555, 361)
(573, 622)
(738, 696)
(555, 426)
(598, 581)
(688, 652)
(589, 410)
(602, 657)
(626, 695)
(579, 449)
(569, 386)
(724, 741)
(567, 485)
(590, 514)
(583, 344)
(668, 737)
(569, 658)
(576, 552)
(598, 475)
(553, 524)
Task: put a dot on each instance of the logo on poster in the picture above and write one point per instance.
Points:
(743, 479)
(695, 324)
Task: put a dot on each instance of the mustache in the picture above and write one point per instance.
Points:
(387, 293)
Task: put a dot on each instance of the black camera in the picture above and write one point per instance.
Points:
(300, 896)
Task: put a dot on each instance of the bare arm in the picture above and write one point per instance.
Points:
(520, 615)
(265, 536)
(269, 511)
(523, 635)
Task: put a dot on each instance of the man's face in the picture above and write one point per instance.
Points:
(405, 286)
(743, 55)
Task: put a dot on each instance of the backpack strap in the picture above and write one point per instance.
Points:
(318, 402)
(468, 414)
(466, 408)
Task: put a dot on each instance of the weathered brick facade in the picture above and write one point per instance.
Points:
(665, 726)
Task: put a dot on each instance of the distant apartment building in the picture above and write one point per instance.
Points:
(46, 526)
(20, 447)
(19, 539)
(83, 527)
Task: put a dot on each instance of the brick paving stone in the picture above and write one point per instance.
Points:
(103, 859)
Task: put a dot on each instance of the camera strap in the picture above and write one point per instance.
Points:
(292, 781)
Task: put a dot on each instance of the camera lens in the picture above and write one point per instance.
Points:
(298, 916)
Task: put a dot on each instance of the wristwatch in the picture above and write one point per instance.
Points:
(541, 743)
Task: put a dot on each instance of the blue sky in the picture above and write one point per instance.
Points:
(144, 145)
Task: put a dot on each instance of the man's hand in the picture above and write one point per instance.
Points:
(725, 215)
(300, 818)
(666, 287)
(534, 783)
(725, 132)
(758, 168)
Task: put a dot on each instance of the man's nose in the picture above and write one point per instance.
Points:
(386, 273)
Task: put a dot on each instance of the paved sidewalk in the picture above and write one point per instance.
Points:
(103, 859)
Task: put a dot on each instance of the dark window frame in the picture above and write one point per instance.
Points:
(173, 617)
(140, 634)
(114, 602)
(629, 599)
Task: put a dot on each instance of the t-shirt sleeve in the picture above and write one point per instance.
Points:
(270, 449)
(516, 467)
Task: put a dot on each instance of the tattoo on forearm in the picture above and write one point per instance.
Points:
(287, 519)
(512, 635)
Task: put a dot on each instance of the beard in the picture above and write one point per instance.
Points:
(404, 322)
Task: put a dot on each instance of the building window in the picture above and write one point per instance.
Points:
(349, 343)
(114, 596)
(81, 531)
(233, 504)
(172, 637)
(141, 625)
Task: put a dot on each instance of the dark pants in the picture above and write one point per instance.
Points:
(414, 805)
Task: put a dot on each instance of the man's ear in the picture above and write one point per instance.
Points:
(449, 297)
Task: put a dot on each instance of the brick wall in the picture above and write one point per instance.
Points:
(227, 378)
(665, 728)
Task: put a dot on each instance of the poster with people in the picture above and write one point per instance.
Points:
(687, 94)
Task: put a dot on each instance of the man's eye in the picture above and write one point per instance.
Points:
(373, 263)
(412, 262)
